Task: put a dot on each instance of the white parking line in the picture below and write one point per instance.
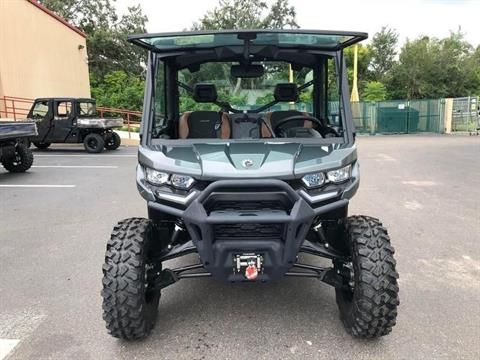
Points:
(7, 345)
(76, 166)
(83, 156)
(35, 186)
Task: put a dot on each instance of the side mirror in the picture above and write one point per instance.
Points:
(247, 71)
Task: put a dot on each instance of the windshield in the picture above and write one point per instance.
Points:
(247, 94)
(87, 109)
(248, 99)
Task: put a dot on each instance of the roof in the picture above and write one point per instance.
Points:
(56, 17)
(292, 38)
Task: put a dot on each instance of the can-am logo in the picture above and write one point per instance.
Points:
(247, 163)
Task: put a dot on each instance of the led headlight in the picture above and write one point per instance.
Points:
(155, 177)
(182, 181)
(340, 175)
(313, 180)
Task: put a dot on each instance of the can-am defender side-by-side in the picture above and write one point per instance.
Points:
(248, 158)
(73, 120)
(15, 155)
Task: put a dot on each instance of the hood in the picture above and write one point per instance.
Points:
(246, 160)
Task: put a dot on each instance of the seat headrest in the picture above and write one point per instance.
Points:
(204, 93)
(286, 92)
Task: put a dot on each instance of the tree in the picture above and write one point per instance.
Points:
(374, 91)
(248, 14)
(433, 68)
(383, 52)
(119, 90)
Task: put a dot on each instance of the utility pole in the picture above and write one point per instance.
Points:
(354, 96)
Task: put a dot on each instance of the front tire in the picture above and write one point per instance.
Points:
(368, 307)
(112, 141)
(94, 143)
(130, 301)
(22, 161)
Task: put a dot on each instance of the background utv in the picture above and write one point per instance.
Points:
(248, 158)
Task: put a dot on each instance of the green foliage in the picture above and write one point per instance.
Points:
(382, 52)
(248, 14)
(374, 91)
(262, 100)
(433, 68)
(119, 90)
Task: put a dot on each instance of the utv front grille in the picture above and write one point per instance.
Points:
(248, 231)
(259, 205)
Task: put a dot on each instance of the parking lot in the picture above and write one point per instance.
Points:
(55, 220)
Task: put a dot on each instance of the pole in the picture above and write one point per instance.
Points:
(354, 96)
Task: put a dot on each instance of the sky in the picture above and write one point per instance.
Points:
(411, 18)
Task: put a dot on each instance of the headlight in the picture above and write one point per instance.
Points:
(156, 177)
(340, 175)
(313, 180)
(182, 181)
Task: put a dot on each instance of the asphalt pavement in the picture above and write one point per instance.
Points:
(55, 220)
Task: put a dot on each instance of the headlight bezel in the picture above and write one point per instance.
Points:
(168, 179)
(329, 177)
(307, 182)
(151, 176)
(347, 174)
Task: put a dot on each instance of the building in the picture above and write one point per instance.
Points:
(41, 55)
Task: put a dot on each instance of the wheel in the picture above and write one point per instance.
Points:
(94, 143)
(112, 141)
(25, 141)
(22, 161)
(368, 303)
(130, 300)
(41, 146)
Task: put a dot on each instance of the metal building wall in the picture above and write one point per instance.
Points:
(39, 55)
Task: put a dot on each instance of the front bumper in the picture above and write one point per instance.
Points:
(232, 217)
(263, 217)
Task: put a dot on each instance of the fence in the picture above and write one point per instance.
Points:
(396, 116)
(19, 107)
(465, 114)
(384, 117)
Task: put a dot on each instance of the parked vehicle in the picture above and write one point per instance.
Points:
(248, 158)
(15, 155)
(71, 120)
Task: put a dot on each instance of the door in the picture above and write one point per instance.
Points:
(62, 120)
(42, 114)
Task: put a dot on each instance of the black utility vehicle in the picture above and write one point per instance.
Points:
(15, 156)
(248, 159)
(69, 120)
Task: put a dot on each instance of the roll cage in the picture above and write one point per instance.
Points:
(188, 50)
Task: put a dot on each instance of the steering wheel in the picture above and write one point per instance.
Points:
(323, 128)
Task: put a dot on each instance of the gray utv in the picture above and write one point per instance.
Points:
(15, 155)
(247, 158)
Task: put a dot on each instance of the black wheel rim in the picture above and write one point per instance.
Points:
(92, 143)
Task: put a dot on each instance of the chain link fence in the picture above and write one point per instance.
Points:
(466, 114)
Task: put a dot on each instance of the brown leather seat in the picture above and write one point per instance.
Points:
(204, 125)
(284, 92)
(274, 117)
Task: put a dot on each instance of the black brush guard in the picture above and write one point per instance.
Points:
(232, 217)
